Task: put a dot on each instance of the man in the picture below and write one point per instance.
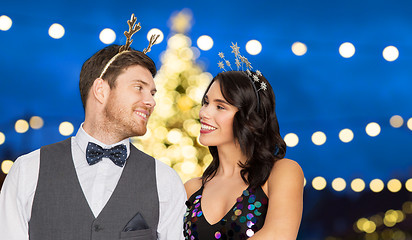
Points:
(83, 188)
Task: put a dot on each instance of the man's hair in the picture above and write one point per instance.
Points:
(255, 128)
(93, 67)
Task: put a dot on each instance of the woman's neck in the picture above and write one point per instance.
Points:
(229, 158)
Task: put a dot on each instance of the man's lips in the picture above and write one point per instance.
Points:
(142, 114)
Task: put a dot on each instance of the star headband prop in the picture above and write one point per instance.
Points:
(133, 28)
(239, 61)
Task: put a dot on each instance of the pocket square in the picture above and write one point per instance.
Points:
(136, 223)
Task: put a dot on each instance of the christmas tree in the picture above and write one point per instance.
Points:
(173, 129)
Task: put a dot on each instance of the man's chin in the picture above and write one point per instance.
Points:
(139, 133)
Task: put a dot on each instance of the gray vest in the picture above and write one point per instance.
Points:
(60, 210)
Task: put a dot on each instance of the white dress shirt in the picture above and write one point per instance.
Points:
(98, 182)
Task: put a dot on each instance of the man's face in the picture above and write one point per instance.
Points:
(130, 102)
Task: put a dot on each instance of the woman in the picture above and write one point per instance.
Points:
(249, 190)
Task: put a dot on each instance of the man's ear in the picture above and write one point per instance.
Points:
(100, 90)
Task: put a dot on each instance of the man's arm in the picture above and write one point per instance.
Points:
(16, 197)
(172, 198)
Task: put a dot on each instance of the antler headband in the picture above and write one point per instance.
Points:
(133, 28)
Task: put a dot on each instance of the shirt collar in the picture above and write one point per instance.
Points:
(83, 138)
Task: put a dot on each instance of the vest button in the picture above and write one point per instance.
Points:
(97, 228)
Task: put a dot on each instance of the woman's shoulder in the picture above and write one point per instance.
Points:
(288, 165)
(284, 172)
(192, 186)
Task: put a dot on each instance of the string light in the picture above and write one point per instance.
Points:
(56, 31)
(253, 47)
(347, 50)
(376, 185)
(394, 185)
(21, 126)
(107, 36)
(318, 138)
(338, 184)
(357, 185)
(2, 138)
(155, 31)
(66, 128)
(36, 122)
(373, 129)
(390, 53)
(6, 166)
(319, 183)
(299, 49)
(5, 23)
(291, 139)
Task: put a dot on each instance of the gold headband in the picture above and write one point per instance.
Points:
(133, 28)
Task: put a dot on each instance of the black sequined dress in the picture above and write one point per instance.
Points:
(245, 218)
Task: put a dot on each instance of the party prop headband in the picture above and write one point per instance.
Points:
(239, 61)
(133, 28)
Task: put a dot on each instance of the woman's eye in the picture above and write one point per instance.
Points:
(220, 107)
(138, 87)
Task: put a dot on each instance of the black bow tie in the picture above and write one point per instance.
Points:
(95, 153)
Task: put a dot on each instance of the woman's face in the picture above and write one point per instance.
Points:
(216, 118)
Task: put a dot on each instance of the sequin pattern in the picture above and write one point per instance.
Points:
(245, 218)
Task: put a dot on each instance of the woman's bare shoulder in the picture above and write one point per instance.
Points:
(193, 185)
(286, 170)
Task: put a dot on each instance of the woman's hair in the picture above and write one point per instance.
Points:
(255, 128)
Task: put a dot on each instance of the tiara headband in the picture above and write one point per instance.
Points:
(133, 28)
(239, 61)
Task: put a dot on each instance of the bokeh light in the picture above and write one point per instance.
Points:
(346, 135)
(390, 53)
(338, 184)
(360, 223)
(155, 31)
(253, 47)
(408, 185)
(6, 166)
(394, 185)
(396, 121)
(107, 36)
(66, 128)
(205, 42)
(5, 23)
(299, 49)
(318, 138)
(407, 207)
(409, 124)
(319, 183)
(2, 138)
(392, 217)
(188, 167)
(36, 122)
(357, 185)
(376, 185)
(21, 126)
(373, 129)
(291, 139)
(347, 50)
(56, 31)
